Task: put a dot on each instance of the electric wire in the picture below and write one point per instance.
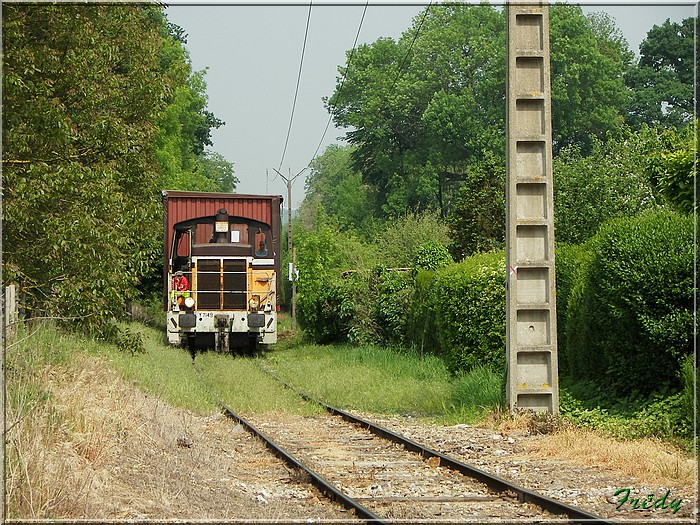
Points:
(296, 91)
(399, 72)
(410, 48)
(342, 81)
(396, 78)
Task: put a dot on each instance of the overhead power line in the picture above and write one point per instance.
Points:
(399, 72)
(410, 47)
(342, 81)
(296, 91)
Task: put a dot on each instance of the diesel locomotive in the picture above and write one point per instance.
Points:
(222, 269)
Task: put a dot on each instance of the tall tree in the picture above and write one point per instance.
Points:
(612, 181)
(214, 167)
(335, 185)
(478, 219)
(425, 109)
(186, 123)
(673, 166)
(663, 81)
(589, 57)
(82, 92)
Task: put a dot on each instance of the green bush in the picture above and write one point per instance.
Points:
(420, 315)
(318, 310)
(394, 291)
(400, 241)
(326, 300)
(461, 308)
(357, 309)
(570, 258)
(431, 256)
(689, 394)
(630, 312)
(595, 406)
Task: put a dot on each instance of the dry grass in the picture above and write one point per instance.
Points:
(84, 444)
(62, 454)
(50, 450)
(647, 460)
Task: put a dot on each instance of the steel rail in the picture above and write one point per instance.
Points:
(323, 485)
(495, 482)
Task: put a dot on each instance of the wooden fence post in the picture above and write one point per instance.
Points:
(11, 312)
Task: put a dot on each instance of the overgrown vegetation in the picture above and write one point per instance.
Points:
(624, 301)
(34, 425)
(101, 111)
(623, 173)
(40, 482)
(661, 415)
(387, 381)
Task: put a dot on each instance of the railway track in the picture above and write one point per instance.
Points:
(382, 476)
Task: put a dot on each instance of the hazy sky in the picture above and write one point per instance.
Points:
(253, 54)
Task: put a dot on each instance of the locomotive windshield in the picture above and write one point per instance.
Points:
(205, 235)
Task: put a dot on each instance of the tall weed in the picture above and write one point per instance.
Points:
(477, 392)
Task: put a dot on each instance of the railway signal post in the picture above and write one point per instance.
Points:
(530, 297)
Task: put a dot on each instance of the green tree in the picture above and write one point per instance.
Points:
(335, 185)
(82, 92)
(214, 167)
(673, 167)
(612, 181)
(478, 219)
(184, 129)
(589, 57)
(425, 109)
(663, 81)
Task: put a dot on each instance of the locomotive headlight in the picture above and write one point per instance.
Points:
(254, 302)
(189, 302)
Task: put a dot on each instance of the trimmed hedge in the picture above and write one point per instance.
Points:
(570, 259)
(630, 311)
(459, 312)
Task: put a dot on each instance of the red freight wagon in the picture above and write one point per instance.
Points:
(221, 271)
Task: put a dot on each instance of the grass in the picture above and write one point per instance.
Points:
(40, 483)
(166, 371)
(161, 370)
(50, 435)
(242, 385)
(370, 379)
(646, 458)
(381, 380)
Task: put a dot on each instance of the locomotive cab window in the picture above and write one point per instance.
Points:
(181, 252)
(261, 243)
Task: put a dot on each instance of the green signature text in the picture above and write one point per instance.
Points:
(651, 501)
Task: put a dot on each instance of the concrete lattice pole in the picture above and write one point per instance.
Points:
(531, 338)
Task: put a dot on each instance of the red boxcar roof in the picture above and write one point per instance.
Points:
(185, 205)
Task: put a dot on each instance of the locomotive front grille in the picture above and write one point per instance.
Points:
(221, 284)
(235, 285)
